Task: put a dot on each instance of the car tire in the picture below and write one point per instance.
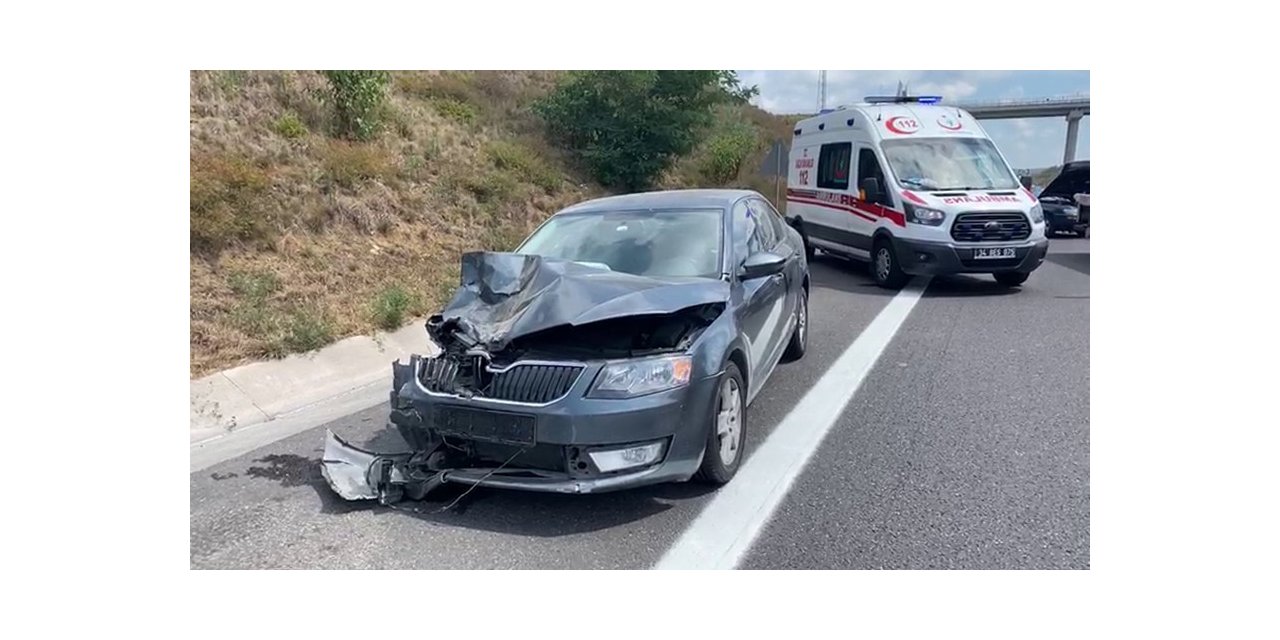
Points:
(1011, 278)
(800, 336)
(1048, 232)
(721, 459)
(1083, 233)
(884, 265)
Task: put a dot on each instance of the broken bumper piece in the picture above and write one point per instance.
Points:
(357, 474)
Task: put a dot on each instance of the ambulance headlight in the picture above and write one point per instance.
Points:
(1037, 213)
(924, 215)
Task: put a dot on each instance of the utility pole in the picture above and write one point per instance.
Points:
(822, 90)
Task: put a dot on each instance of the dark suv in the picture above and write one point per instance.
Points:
(1062, 212)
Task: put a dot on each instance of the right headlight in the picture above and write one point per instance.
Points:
(631, 378)
(924, 215)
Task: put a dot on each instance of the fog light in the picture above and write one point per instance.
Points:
(637, 456)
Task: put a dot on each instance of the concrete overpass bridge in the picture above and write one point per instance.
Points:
(1073, 108)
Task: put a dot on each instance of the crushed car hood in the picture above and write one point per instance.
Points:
(505, 296)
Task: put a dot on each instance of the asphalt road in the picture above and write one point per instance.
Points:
(966, 447)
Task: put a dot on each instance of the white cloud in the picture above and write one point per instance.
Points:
(957, 90)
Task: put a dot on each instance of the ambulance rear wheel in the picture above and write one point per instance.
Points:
(885, 269)
(808, 246)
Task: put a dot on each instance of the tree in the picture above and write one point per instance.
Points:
(628, 126)
(732, 86)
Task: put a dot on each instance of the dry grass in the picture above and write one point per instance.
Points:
(299, 239)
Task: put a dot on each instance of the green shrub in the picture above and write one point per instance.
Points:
(392, 306)
(254, 285)
(348, 164)
(306, 330)
(230, 202)
(358, 98)
(491, 188)
(290, 126)
(454, 110)
(522, 160)
(628, 126)
(726, 151)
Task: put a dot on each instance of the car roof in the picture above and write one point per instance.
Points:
(658, 200)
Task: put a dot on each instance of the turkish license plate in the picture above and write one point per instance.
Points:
(994, 253)
(493, 426)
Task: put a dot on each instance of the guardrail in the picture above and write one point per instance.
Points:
(1024, 102)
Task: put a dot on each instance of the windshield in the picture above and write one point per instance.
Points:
(948, 164)
(644, 243)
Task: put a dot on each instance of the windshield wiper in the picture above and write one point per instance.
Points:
(917, 183)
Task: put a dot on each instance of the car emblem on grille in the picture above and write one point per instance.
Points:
(991, 226)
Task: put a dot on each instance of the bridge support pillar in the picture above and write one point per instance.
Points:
(1073, 133)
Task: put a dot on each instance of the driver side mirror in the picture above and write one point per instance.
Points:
(761, 264)
(1026, 182)
(870, 189)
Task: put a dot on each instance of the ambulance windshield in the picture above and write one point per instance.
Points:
(948, 164)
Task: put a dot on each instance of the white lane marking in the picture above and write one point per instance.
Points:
(729, 524)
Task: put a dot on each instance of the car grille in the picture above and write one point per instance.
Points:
(976, 227)
(528, 383)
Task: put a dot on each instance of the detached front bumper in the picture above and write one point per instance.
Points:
(359, 474)
(562, 454)
(941, 258)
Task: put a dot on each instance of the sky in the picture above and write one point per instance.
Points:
(1029, 143)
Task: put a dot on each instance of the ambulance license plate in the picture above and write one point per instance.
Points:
(994, 253)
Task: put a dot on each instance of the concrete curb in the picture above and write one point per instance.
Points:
(263, 391)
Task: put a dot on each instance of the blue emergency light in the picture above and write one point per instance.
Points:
(903, 99)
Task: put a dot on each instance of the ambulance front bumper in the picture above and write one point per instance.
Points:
(918, 257)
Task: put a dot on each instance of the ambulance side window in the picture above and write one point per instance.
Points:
(833, 165)
(869, 167)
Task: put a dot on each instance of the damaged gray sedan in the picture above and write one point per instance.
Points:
(619, 346)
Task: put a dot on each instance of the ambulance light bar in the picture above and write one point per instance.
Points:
(903, 99)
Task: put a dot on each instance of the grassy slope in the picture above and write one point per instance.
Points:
(300, 239)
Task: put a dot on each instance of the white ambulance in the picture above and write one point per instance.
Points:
(913, 187)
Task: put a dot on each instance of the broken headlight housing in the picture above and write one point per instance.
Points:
(631, 378)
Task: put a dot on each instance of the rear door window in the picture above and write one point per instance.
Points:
(833, 165)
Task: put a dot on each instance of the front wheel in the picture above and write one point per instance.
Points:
(1011, 278)
(723, 454)
(884, 266)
